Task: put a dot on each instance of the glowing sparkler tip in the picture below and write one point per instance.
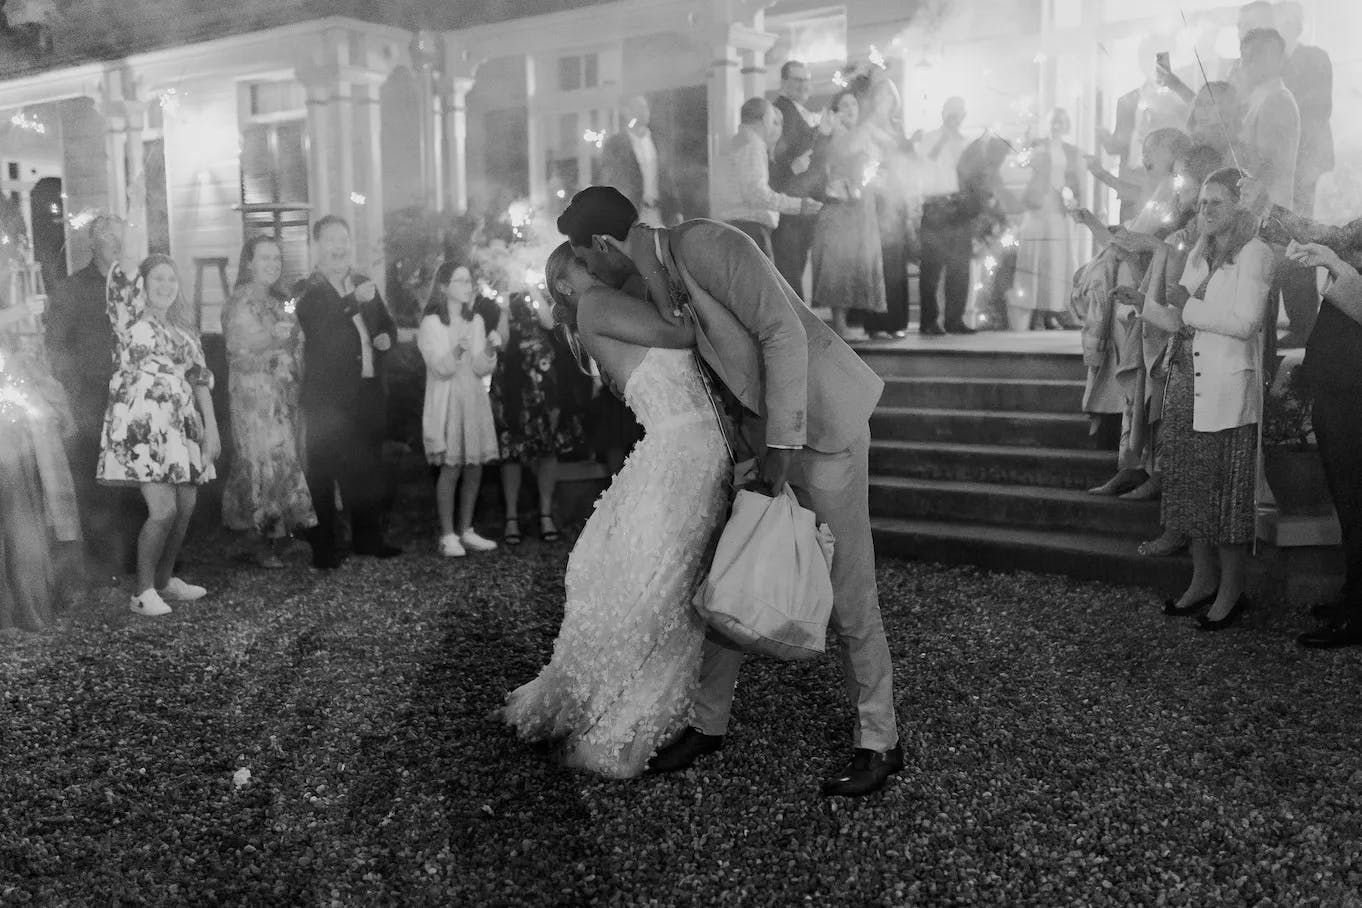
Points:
(876, 58)
(357, 198)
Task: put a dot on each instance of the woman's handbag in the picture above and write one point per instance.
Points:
(769, 587)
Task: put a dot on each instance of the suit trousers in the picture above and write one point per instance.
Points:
(791, 242)
(836, 488)
(344, 449)
(1338, 429)
(110, 516)
(946, 249)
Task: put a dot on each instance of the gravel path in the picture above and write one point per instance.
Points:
(1066, 745)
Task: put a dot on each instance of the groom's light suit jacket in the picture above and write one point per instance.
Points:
(803, 381)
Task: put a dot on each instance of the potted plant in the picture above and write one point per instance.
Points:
(1291, 461)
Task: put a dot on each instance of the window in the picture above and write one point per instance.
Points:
(578, 72)
(274, 199)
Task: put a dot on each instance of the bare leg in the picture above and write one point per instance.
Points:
(546, 477)
(185, 497)
(468, 495)
(444, 498)
(151, 540)
(1233, 571)
(510, 489)
(1205, 573)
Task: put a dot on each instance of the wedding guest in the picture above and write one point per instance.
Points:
(1214, 399)
(1331, 368)
(80, 347)
(160, 433)
(346, 329)
(893, 192)
(535, 415)
(457, 428)
(631, 163)
(947, 238)
(742, 192)
(1216, 118)
(848, 267)
(1309, 75)
(39, 517)
(1270, 134)
(794, 174)
(1047, 253)
(266, 493)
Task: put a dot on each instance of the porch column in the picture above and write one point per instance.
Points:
(534, 132)
(125, 178)
(453, 102)
(319, 147)
(365, 197)
(425, 58)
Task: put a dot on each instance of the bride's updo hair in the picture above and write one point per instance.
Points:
(564, 307)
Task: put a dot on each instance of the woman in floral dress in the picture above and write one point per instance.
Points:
(265, 492)
(160, 433)
(535, 418)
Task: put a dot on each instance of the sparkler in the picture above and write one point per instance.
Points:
(869, 172)
(22, 120)
(876, 58)
(358, 198)
(594, 137)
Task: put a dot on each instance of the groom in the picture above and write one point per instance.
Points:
(807, 400)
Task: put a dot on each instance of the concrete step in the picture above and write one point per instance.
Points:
(1050, 467)
(981, 427)
(893, 362)
(1031, 507)
(1018, 394)
(1087, 556)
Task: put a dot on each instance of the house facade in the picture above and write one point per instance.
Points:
(208, 141)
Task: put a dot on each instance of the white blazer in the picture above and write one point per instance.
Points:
(1227, 351)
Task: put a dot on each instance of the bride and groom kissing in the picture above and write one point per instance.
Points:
(670, 315)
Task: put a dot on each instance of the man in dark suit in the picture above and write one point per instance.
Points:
(1309, 75)
(792, 173)
(346, 329)
(80, 346)
(630, 162)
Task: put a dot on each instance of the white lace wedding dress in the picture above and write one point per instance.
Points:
(628, 652)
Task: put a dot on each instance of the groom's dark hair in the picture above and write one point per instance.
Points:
(597, 211)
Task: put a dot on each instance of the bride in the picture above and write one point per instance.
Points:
(624, 665)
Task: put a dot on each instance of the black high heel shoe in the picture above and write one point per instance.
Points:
(1170, 606)
(1240, 606)
(548, 530)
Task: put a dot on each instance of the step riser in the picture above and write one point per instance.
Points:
(982, 430)
(1058, 471)
(1100, 515)
(962, 364)
(955, 396)
(1168, 575)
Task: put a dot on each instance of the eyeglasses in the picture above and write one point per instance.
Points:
(461, 280)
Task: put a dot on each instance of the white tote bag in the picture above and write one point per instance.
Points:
(769, 589)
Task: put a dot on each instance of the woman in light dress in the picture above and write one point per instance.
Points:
(456, 420)
(625, 662)
(1047, 252)
(160, 433)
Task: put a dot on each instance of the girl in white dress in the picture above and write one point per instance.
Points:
(627, 656)
(456, 420)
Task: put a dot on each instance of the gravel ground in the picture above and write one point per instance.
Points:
(319, 740)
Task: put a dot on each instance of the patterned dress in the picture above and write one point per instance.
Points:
(153, 431)
(266, 490)
(848, 262)
(535, 417)
(627, 655)
(1208, 477)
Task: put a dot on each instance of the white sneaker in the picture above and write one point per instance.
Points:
(149, 604)
(475, 543)
(450, 546)
(178, 591)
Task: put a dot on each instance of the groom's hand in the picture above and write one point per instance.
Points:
(775, 468)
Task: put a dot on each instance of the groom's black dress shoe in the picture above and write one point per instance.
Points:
(867, 772)
(685, 750)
